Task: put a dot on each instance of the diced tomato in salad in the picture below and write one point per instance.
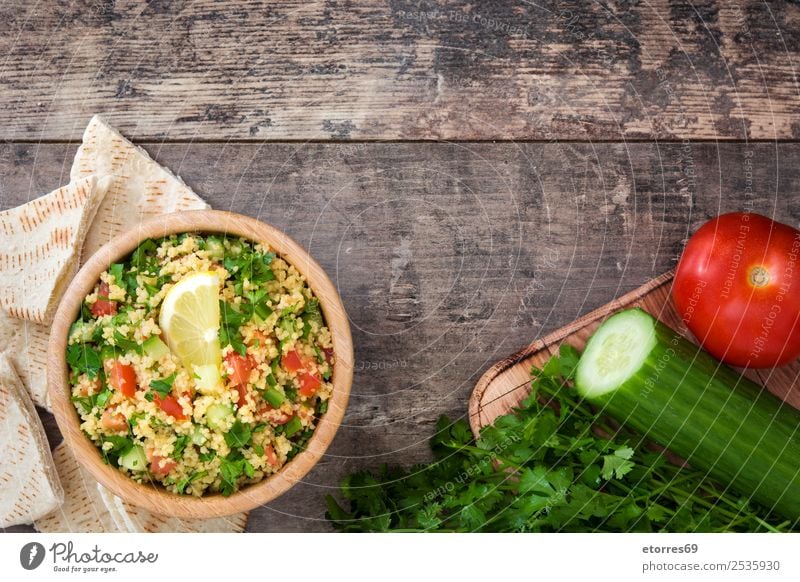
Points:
(309, 383)
(103, 305)
(115, 421)
(171, 406)
(241, 367)
(273, 415)
(160, 466)
(242, 400)
(123, 378)
(291, 361)
(272, 458)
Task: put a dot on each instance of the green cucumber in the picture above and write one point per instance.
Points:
(108, 352)
(155, 348)
(198, 437)
(646, 376)
(134, 459)
(274, 397)
(219, 416)
(215, 248)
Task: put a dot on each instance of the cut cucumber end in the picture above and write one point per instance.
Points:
(615, 352)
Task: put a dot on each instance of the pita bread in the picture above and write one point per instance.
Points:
(139, 187)
(116, 516)
(83, 510)
(25, 345)
(142, 521)
(90, 507)
(137, 520)
(40, 245)
(29, 485)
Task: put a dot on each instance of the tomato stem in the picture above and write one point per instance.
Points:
(759, 276)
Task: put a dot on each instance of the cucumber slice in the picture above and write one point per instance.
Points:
(215, 248)
(108, 353)
(155, 348)
(615, 352)
(198, 437)
(648, 377)
(134, 459)
(207, 379)
(219, 416)
(274, 397)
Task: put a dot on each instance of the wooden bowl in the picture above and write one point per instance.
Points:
(154, 497)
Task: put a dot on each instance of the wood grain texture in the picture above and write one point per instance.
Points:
(402, 69)
(450, 256)
(507, 383)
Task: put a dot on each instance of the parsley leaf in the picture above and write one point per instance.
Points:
(180, 445)
(552, 465)
(617, 465)
(239, 435)
(82, 358)
(164, 385)
(181, 485)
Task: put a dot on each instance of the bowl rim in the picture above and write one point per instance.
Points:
(156, 498)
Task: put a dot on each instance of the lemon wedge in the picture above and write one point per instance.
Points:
(190, 322)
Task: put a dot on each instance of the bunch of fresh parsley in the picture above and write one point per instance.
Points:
(552, 465)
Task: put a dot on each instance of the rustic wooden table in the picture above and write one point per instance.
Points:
(471, 175)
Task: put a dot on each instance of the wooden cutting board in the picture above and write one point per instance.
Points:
(507, 383)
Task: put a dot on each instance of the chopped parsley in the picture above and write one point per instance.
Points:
(163, 386)
(239, 435)
(544, 468)
(83, 358)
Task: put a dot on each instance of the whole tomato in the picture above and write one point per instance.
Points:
(737, 288)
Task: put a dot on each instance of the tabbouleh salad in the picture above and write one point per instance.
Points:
(200, 407)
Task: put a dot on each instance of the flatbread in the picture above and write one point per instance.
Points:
(140, 520)
(29, 485)
(25, 345)
(116, 515)
(140, 188)
(40, 245)
(83, 510)
(89, 507)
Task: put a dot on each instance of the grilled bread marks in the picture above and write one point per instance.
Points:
(83, 510)
(42, 242)
(138, 187)
(25, 345)
(138, 520)
(29, 485)
(90, 508)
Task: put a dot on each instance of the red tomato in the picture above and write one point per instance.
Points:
(103, 306)
(272, 458)
(97, 385)
(242, 390)
(275, 417)
(114, 421)
(291, 361)
(259, 339)
(160, 466)
(170, 405)
(241, 367)
(737, 288)
(123, 378)
(309, 384)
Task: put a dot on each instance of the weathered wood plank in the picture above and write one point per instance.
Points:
(451, 256)
(453, 70)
